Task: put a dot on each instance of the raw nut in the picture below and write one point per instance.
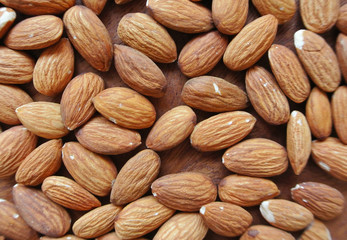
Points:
(101, 136)
(251, 43)
(316, 231)
(76, 102)
(323, 201)
(35, 33)
(43, 119)
(143, 33)
(16, 67)
(139, 72)
(229, 16)
(285, 214)
(339, 112)
(341, 53)
(92, 171)
(298, 141)
(213, 94)
(331, 155)
(226, 219)
(246, 191)
(42, 162)
(11, 97)
(185, 191)
(68, 193)
(319, 59)
(66, 237)
(135, 177)
(319, 15)
(289, 73)
(256, 157)
(89, 36)
(113, 236)
(125, 107)
(341, 22)
(95, 5)
(202, 53)
(96, 222)
(171, 129)
(318, 114)
(266, 96)
(141, 217)
(283, 10)
(7, 17)
(54, 68)
(33, 206)
(230, 127)
(6, 185)
(183, 226)
(263, 232)
(15, 144)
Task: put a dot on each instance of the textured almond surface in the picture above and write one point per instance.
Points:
(65, 237)
(95, 5)
(6, 185)
(316, 231)
(283, 10)
(341, 53)
(339, 111)
(263, 232)
(7, 17)
(341, 22)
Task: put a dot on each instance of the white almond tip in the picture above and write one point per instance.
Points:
(266, 212)
(202, 210)
(324, 166)
(299, 39)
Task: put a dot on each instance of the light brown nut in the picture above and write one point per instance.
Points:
(7, 17)
(316, 231)
(341, 53)
(65, 237)
(283, 10)
(95, 5)
(341, 22)
(339, 112)
(263, 232)
(6, 185)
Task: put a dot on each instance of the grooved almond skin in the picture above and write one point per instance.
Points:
(125, 107)
(42, 162)
(339, 112)
(43, 119)
(6, 185)
(263, 232)
(323, 201)
(54, 68)
(7, 17)
(15, 144)
(283, 10)
(11, 97)
(319, 15)
(101, 136)
(230, 127)
(113, 236)
(95, 5)
(266, 96)
(141, 217)
(186, 191)
(143, 33)
(92, 171)
(201, 54)
(246, 191)
(213, 94)
(250, 44)
(135, 177)
(171, 129)
(35, 33)
(341, 53)
(54, 221)
(96, 222)
(229, 16)
(316, 231)
(184, 226)
(341, 22)
(256, 157)
(76, 102)
(16, 67)
(139, 72)
(331, 155)
(319, 59)
(89, 36)
(65, 237)
(289, 73)
(285, 214)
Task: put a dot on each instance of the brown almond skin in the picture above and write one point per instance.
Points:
(6, 185)
(95, 5)
(65, 237)
(263, 232)
(341, 53)
(42, 162)
(283, 10)
(339, 112)
(201, 54)
(316, 231)
(53, 222)
(7, 22)
(246, 191)
(341, 22)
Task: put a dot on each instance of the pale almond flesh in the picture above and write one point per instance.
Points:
(7, 17)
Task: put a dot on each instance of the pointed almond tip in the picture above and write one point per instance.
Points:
(299, 39)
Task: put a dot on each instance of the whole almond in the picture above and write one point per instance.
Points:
(266, 96)
(263, 232)
(341, 53)
(256, 157)
(316, 231)
(7, 17)
(339, 112)
(6, 185)
(318, 58)
(250, 44)
(246, 191)
(201, 54)
(283, 10)
(65, 237)
(341, 22)
(143, 33)
(95, 5)
(89, 36)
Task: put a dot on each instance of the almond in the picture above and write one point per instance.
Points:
(143, 33)
(263, 232)
(7, 17)
(213, 94)
(341, 53)
(323, 201)
(231, 127)
(65, 237)
(266, 96)
(251, 43)
(6, 185)
(341, 22)
(201, 54)
(122, 1)
(246, 191)
(283, 10)
(339, 110)
(318, 58)
(95, 5)
(316, 231)
(54, 68)
(256, 157)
